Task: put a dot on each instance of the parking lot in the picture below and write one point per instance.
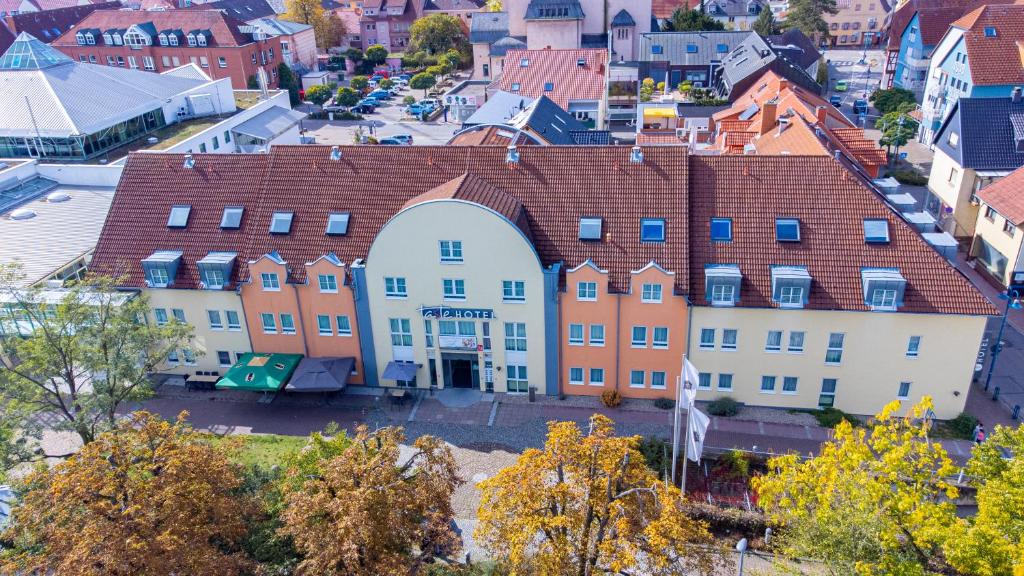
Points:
(387, 120)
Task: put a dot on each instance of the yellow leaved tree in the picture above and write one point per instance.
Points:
(587, 504)
(870, 503)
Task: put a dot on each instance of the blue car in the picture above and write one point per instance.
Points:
(836, 100)
(380, 95)
(370, 102)
(860, 106)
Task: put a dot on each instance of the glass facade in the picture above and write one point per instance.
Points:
(82, 147)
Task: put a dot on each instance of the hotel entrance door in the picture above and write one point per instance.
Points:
(461, 370)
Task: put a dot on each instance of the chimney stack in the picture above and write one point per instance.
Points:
(783, 84)
(822, 113)
(1016, 95)
(768, 116)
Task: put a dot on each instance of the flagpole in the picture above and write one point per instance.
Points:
(686, 457)
(676, 417)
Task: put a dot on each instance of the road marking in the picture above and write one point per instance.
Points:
(494, 412)
(807, 430)
(415, 407)
(760, 427)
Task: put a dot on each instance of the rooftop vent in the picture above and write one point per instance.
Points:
(190, 162)
(512, 156)
(22, 214)
(57, 197)
(524, 62)
(636, 155)
(335, 153)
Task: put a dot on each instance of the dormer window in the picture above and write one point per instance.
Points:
(80, 38)
(179, 216)
(107, 39)
(90, 39)
(652, 230)
(161, 267)
(281, 223)
(117, 39)
(883, 288)
(590, 228)
(787, 230)
(136, 39)
(172, 39)
(215, 269)
(192, 40)
(722, 284)
(791, 286)
(201, 39)
(721, 229)
(163, 39)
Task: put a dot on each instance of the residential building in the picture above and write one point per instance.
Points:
(980, 141)
(673, 57)
(244, 10)
(540, 122)
(298, 41)
(573, 79)
(15, 7)
(47, 25)
(160, 41)
(41, 203)
(734, 14)
(1000, 230)
(485, 31)
(796, 47)
(453, 267)
(749, 60)
(387, 22)
(464, 10)
(979, 57)
(777, 117)
(858, 23)
(915, 30)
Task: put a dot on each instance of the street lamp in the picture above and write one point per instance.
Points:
(1012, 297)
(741, 547)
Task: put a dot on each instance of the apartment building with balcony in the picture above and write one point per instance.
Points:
(387, 22)
(564, 269)
(220, 45)
(980, 56)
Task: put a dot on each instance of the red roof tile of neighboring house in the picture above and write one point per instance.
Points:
(1007, 196)
(570, 81)
(223, 28)
(48, 25)
(11, 6)
(489, 136)
(551, 188)
(735, 141)
(865, 152)
(663, 9)
(994, 60)
(659, 139)
(934, 18)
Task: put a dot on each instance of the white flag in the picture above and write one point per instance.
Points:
(696, 430)
(691, 380)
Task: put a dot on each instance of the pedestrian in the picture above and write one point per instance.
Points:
(977, 428)
(446, 113)
(980, 437)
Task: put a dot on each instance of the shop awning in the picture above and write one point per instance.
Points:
(260, 372)
(660, 112)
(321, 375)
(401, 371)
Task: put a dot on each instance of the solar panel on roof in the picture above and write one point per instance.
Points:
(337, 224)
(179, 216)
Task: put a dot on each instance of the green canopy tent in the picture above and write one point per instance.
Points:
(260, 372)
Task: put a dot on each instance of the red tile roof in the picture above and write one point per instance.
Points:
(934, 18)
(555, 186)
(488, 136)
(571, 82)
(1007, 196)
(223, 28)
(48, 25)
(659, 138)
(663, 9)
(994, 60)
(865, 152)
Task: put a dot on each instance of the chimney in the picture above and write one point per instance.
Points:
(783, 84)
(1016, 95)
(822, 113)
(768, 116)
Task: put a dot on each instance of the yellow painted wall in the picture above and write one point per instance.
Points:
(955, 192)
(992, 232)
(874, 359)
(493, 250)
(207, 342)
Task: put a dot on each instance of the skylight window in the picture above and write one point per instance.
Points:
(990, 31)
(549, 86)
(721, 229)
(590, 228)
(722, 48)
(232, 218)
(179, 216)
(691, 48)
(876, 231)
(523, 63)
(787, 230)
(281, 223)
(652, 230)
(657, 49)
(337, 224)
(515, 86)
(581, 61)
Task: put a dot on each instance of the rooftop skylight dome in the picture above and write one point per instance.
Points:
(29, 53)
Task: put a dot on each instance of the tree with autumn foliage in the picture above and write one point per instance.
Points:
(150, 497)
(357, 508)
(873, 502)
(328, 28)
(587, 504)
(992, 542)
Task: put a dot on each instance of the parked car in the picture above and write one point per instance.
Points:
(414, 109)
(403, 138)
(432, 103)
(363, 108)
(392, 141)
(841, 86)
(836, 100)
(404, 78)
(380, 95)
(371, 101)
(335, 108)
(402, 82)
(860, 106)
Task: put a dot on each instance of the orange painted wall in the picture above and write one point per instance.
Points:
(671, 313)
(601, 311)
(256, 301)
(313, 303)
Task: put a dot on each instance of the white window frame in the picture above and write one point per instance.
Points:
(900, 394)
(664, 380)
(160, 316)
(766, 379)
(791, 296)
(517, 338)
(599, 340)
(235, 326)
(786, 380)
(914, 347)
(730, 378)
(220, 362)
(268, 328)
(188, 356)
(790, 347)
(705, 344)
(722, 293)
(179, 315)
(586, 291)
(651, 294)
(633, 383)
(517, 373)
(659, 343)
(829, 348)
(576, 381)
(773, 348)
(451, 252)
(395, 287)
(320, 328)
(595, 372)
(634, 342)
(401, 332)
(453, 289)
(344, 324)
(215, 320)
(513, 291)
(704, 380)
(270, 282)
(726, 346)
(328, 283)
(158, 277)
(883, 298)
(285, 327)
(573, 340)
(172, 357)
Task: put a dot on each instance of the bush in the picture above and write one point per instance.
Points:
(664, 403)
(723, 521)
(408, 100)
(724, 406)
(831, 417)
(961, 427)
(657, 454)
(348, 116)
(611, 398)
(909, 176)
(734, 465)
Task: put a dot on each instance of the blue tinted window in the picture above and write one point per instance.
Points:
(652, 230)
(787, 230)
(691, 48)
(721, 229)
(656, 49)
(723, 48)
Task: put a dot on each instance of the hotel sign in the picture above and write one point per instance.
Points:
(457, 313)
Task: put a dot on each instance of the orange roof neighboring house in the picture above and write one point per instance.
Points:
(865, 152)
(569, 81)
(788, 96)
(735, 141)
(733, 125)
(994, 59)
(795, 136)
(659, 139)
(490, 136)
(1007, 196)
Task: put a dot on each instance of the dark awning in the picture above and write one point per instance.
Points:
(321, 375)
(401, 371)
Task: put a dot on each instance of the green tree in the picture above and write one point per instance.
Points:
(493, 6)
(647, 90)
(689, 20)
(869, 503)
(286, 80)
(436, 34)
(453, 58)
(765, 24)
(897, 127)
(319, 94)
(359, 83)
(422, 81)
(347, 96)
(376, 54)
(822, 75)
(808, 16)
(87, 355)
(992, 541)
(386, 84)
(890, 100)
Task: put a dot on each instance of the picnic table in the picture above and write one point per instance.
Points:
(202, 381)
